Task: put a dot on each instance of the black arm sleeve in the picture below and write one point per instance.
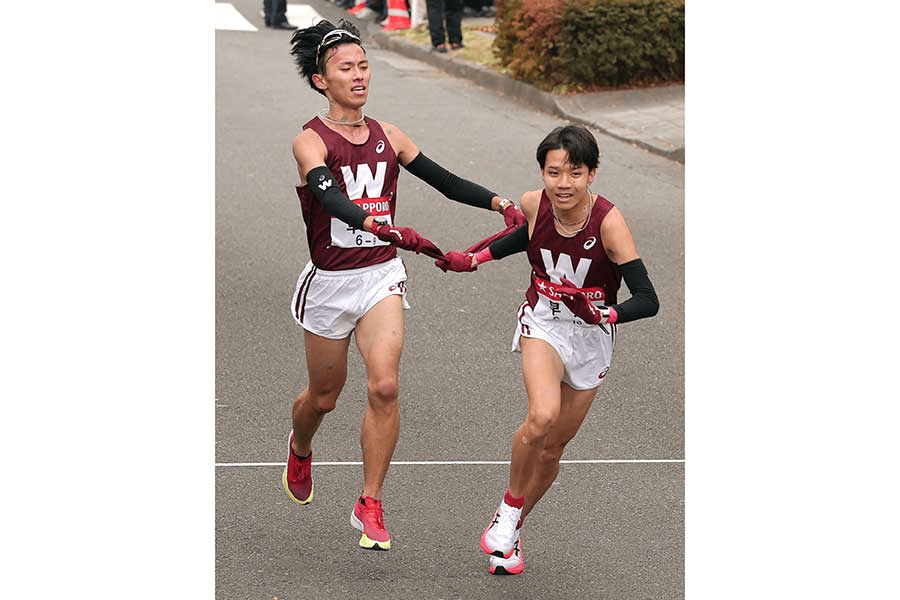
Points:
(448, 184)
(643, 302)
(516, 241)
(335, 202)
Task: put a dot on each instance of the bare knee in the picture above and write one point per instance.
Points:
(383, 391)
(537, 426)
(321, 399)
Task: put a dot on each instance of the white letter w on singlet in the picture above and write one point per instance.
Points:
(364, 180)
(564, 268)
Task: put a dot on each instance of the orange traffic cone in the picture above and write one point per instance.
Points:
(361, 4)
(398, 15)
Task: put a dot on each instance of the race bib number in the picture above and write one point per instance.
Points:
(346, 236)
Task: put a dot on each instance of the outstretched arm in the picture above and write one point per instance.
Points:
(512, 240)
(499, 245)
(453, 187)
(463, 190)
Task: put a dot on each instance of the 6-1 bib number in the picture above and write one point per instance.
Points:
(346, 236)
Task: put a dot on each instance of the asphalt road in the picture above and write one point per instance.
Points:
(611, 529)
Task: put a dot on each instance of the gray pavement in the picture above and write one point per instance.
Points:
(650, 118)
(611, 527)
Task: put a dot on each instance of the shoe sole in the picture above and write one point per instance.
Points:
(293, 498)
(501, 570)
(284, 480)
(365, 541)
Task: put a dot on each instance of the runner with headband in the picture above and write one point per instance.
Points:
(348, 165)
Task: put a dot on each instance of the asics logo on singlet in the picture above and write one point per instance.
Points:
(380, 147)
(590, 243)
(364, 181)
(563, 267)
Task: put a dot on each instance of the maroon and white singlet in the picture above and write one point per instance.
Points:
(581, 259)
(350, 270)
(585, 350)
(367, 173)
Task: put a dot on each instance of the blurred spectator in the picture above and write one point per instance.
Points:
(439, 13)
(274, 14)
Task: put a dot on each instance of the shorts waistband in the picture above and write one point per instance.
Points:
(358, 270)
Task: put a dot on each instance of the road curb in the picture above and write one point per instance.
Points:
(504, 85)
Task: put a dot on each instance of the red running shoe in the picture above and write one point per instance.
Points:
(367, 516)
(297, 479)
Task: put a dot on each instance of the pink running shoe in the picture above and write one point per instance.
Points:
(297, 479)
(513, 565)
(368, 517)
(500, 535)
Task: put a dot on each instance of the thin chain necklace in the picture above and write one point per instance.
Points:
(567, 227)
(356, 123)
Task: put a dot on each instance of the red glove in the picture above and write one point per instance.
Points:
(582, 307)
(513, 217)
(457, 262)
(406, 238)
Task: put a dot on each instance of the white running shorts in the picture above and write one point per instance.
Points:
(586, 350)
(330, 303)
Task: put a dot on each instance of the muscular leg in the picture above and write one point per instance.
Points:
(379, 337)
(574, 407)
(326, 363)
(543, 370)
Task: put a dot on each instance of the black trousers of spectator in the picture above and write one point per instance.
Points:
(440, 11)
(274, 11)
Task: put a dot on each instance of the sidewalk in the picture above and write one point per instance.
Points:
(651, 118)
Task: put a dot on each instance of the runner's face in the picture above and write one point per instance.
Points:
(566, 184)
(347, 75)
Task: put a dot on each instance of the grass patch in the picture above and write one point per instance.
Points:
(478, 43)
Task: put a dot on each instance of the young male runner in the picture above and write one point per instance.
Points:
(580, 249)
(348, 165)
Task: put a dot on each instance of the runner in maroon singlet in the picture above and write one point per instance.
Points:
(580, 249)
(348, 166)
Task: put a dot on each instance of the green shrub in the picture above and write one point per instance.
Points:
(583, 44)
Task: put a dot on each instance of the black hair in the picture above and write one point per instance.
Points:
(309, 52)
(577, 141)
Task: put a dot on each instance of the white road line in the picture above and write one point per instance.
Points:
(302, 15)
(227, 17)
(465, 462)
